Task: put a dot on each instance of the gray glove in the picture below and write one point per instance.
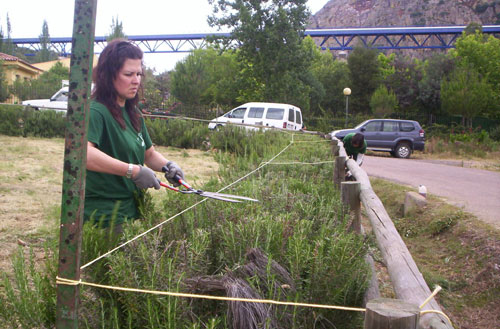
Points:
(146, 178)
(171, 169)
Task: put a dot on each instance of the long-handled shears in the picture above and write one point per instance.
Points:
(213, 195)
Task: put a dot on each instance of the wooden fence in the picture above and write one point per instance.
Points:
(407, 281)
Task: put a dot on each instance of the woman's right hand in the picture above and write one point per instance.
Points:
(146, 178)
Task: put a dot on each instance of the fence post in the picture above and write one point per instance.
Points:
(383, 313)
(75, 162)
(335, 147)
(339, 170)
(349, 192)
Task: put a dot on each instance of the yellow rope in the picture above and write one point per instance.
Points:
(64, 281)
(434, 293)
(437, 312)
(320, 141)
(299, 163)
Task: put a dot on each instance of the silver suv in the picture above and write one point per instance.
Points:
(399, 137)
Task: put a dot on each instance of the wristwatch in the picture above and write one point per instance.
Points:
(129, 171)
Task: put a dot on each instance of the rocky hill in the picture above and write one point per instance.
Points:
(371, 13)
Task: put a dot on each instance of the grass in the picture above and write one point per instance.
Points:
(454, 250)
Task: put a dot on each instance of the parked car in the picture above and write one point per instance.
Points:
(58, 102)
(284, 116)
(399, 137)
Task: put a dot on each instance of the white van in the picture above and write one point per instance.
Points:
(58, 102)
(284, 116)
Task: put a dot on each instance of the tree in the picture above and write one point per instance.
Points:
(4, 92)
(383, 102)
(466, 93)
(8, 46)
(207, 77)
(116, 30)
(1, 40)
(44, 54)
(365, 77)
(156, 89)
(189, 79)
(478, 53)
(44, 87)
(386, 64)
(334, 77)
(268, 36)
(404, 82)
(434, 70)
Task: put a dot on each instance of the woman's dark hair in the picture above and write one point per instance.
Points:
(110, 62)
(358, 139)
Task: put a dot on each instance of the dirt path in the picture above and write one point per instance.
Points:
(477, 191)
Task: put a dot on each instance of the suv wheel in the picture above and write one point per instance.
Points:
(403, 150)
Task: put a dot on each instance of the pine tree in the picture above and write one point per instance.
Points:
(116, 30)
(44, 54)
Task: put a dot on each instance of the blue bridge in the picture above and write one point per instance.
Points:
(437, 37)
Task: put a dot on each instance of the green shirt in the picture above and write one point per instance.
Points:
(351, 150)
(104, 192)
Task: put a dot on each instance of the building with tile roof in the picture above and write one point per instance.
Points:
(15, 69)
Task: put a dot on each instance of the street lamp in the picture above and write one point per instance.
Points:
(347, 92)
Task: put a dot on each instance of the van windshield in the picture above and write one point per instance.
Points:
(275, 113)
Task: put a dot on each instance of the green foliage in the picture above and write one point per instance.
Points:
(299, 225)
(365, 77)
(434, 69)
(206, 77)
(44, 86)
(479, 53)
(21, 121)
(383, 102)
(28, 299)
(439, 225)
(116, 30)
(466, 93)
(4, 91)
(178, 133)
(11, 120)
(268, 36)
(404, 82)
(334, 77)
(386, 65)
(44, 54)
(460, 141)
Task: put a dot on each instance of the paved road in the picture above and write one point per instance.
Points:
(478, 191)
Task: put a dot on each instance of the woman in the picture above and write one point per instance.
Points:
(118, 141)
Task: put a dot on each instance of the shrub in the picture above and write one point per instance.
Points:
(29, 299)
(298, 228)
(178, 133)
(24, 121)
(11, 120)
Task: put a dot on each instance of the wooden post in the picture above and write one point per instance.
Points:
(75, 162)
(339, 170)
(349, 192)
(408, 282)
(384, 313)
(335, 147)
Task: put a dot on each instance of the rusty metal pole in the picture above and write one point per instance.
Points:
(75, 161)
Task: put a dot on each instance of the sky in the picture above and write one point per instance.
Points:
(144, 17)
